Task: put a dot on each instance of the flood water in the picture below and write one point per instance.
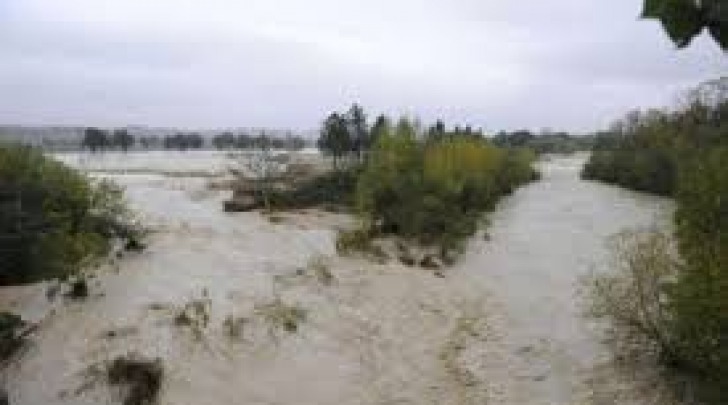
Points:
(543, 239)
(538, 348)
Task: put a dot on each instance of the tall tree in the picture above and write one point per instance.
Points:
(382, 126)
(358, 130)
(335, 139)
(95, 139)
(437, 131)
(123, 139)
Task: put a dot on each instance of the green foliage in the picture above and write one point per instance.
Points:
(683, 20)
(355, 240)
(347, 134)
(434, 192)
(335, 138)
(53, 219)
(544, 142)
(333, 190)
(633, 294)
(699, 297)
(648, 170)
(685, 154)
(644, 151)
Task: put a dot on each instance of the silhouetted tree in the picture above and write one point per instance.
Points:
(226, 140)
(381, 127)
(358, 130)
(95, 139)
(335, 139)
(123, 139)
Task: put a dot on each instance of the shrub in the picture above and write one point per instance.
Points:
(699, 297)
(281, 315)
(53, 219)
(10, 339)
(434, 192)
(355, 240)
(683, 154)
(140, 377)
(332, 190)
(633, 296)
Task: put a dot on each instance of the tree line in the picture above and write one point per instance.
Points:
(99, 140)
(682, 153)
(228, 140)
(544, 142)
(349, 137)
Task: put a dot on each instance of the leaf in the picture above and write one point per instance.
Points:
(652, 8)
(682, 20)
(720, 35)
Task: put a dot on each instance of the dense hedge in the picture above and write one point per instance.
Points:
(54, 220)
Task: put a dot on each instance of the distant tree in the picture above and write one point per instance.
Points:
(226, 140)
(95, 139)
(683, 20)
(121, 138)
(195, 141)
(244, 141)
(182, 142)
(149, 142)
(382, 126)
(437, 131)
(294, 143)
(358, 130)
(335, 138)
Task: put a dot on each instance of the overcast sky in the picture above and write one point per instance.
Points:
(564, 64)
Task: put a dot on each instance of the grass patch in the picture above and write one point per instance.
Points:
(195, 314)
(280, 315)
(319, 268)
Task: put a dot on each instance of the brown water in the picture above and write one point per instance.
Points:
(503, 327)
(543, 239)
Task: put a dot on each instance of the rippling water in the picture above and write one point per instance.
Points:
(539, 350)
(543, 238)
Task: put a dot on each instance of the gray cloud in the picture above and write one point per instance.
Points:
(573, 64)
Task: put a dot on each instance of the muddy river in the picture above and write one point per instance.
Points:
(504, 326)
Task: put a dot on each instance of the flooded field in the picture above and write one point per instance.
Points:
(503, 326)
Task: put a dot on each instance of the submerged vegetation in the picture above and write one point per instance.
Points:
(54, 220)
(430, 187)
(434, 191)
(140, 378)
(683, 154)
(10, 334)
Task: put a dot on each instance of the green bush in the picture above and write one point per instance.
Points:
(53, 219)
(435, 192)
(699, 297)
(332, 190)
